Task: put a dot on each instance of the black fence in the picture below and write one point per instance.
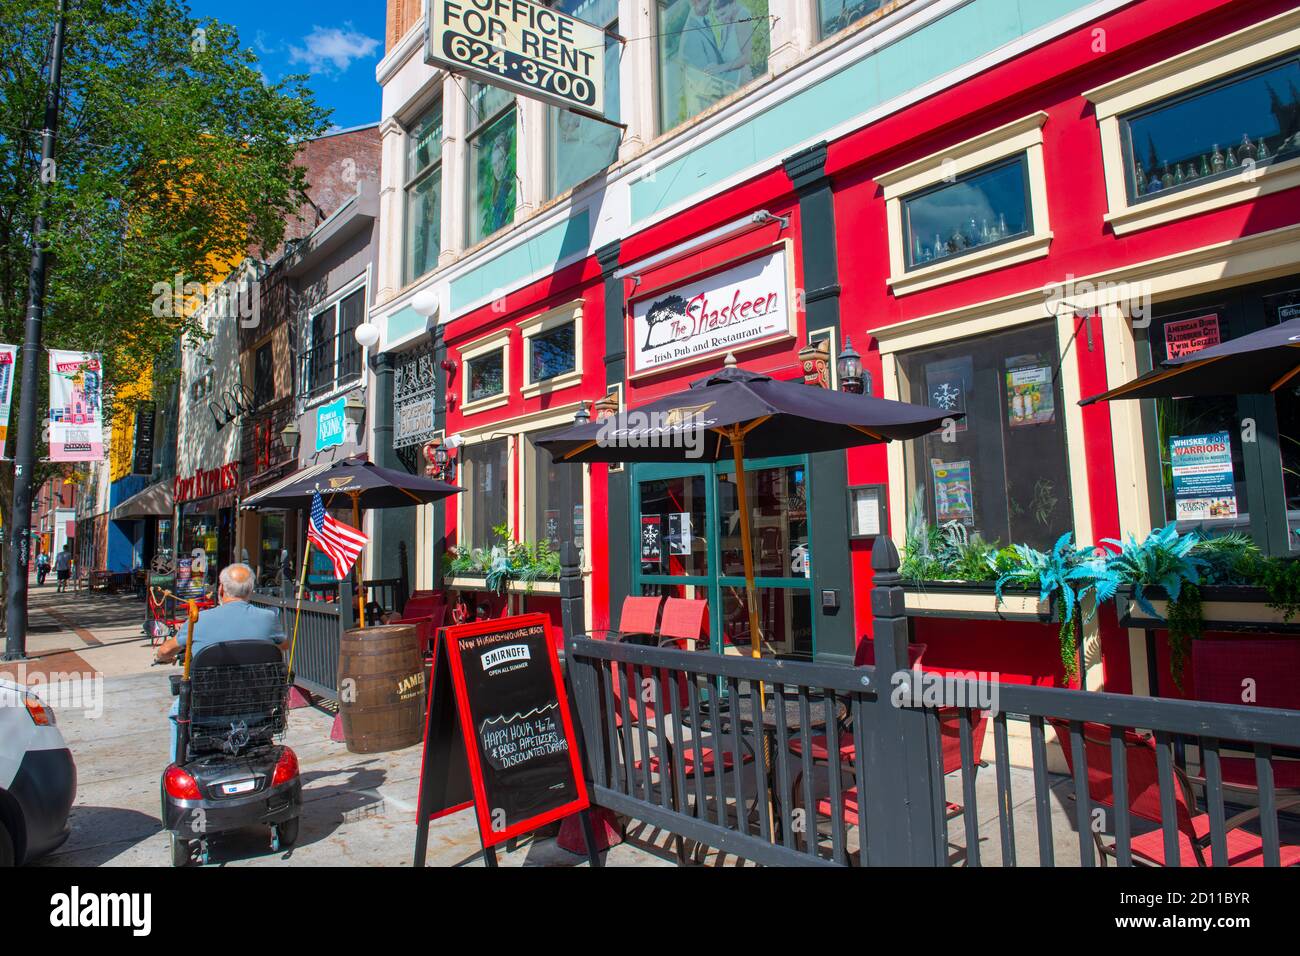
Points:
(784, 762)
(316, 653)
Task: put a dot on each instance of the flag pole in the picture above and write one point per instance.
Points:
(297, 611)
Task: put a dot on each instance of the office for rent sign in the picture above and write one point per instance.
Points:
(522, 46)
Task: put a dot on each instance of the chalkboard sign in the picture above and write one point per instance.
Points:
(510, 730)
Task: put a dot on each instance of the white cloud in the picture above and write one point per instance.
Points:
(332, 49)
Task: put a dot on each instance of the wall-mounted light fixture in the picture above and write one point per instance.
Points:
(849, 366)
(366, 334)
(289, 437)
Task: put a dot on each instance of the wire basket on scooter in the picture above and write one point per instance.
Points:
(236, 707)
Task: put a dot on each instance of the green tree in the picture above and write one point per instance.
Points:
(174, 154)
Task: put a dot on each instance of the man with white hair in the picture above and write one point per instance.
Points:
(233, 619)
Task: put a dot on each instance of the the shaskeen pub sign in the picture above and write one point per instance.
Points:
(735, 307)
(522, 46)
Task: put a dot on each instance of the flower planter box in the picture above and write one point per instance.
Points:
(975, 601)
(1223, 607)
(472, 582)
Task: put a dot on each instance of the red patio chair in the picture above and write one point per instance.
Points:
(1220, 668)
(433, 615)
(1244, 848)
(638, 618)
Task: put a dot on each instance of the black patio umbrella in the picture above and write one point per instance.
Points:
(734, 413)
(1261, 361)
(364, 483)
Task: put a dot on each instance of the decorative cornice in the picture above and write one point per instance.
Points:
(807, 168)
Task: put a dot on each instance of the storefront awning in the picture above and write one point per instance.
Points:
(154, 502)
(274, 489)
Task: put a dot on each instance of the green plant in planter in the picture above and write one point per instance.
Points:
(1068, 575)
(1167, 560)
(1231, 558)
(1280, 577)
(504, 561)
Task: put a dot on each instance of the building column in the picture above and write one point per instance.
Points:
(636, 101)
(392, 168)
(793, 34)
(619, 483)
(455, 201)
(832, 567)
(531, 156)
(389, 523)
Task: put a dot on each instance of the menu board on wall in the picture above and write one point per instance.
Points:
(1202, 476)
(727, 310)
(499, 733)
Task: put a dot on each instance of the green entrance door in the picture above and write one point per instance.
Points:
(686, 524)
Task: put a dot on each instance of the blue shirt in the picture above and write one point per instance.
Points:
(233, 621)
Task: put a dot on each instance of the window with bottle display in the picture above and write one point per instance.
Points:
(1243, 122)
(984, 207)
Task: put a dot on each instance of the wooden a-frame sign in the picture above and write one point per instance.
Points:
(498, 734)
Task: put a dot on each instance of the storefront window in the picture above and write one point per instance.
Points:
(580, 146)
(333, 359)
(486, 374)
(1008, 385)
(553, 352)
(982, 208)
(1250, 119)
(708, 49)
(784, 617)
(673, 527)
(778, 504)
(485, 474)
(1281, 308)
(492, 145)
(270, 547)
(423, 193)
(835, 15)
(552, 487)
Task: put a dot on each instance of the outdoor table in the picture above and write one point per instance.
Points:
(741, 709)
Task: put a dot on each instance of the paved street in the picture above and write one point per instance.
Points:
(359, 810)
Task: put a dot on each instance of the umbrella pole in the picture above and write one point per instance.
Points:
(746, 537)
(361, 578)
(297, 610)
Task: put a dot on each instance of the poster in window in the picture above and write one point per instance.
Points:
(1203, 479)
(679, 533)
(953, 497)
(1031, 400)
(947, 385)
(495, 159)
(1187, 336)
(651, 539)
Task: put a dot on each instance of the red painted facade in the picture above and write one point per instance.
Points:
(1052, 79)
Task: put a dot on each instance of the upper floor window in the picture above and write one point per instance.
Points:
(1245, 120)
(264, 376)
(582, 147)
(486, 382)
(424, 193)
(982, 208)
(493, 142)
(836, 15)
(708, 49)
(333, 357)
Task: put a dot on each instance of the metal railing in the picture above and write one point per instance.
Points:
(840, 768)
(316, 656)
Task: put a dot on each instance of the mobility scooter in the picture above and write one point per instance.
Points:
(228, 771)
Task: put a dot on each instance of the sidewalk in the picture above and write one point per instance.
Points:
(359, 810)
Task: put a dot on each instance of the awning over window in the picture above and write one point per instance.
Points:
(154, 502)
(274, 489)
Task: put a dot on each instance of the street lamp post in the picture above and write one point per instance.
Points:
(25, 451)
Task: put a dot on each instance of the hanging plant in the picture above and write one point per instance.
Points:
(1067, 575)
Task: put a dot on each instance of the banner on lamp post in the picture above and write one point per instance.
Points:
(76, 406)
(8, 363)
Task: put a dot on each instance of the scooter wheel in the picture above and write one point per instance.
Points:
(180, 851)
(284, 835)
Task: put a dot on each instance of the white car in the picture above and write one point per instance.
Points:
(38, 780)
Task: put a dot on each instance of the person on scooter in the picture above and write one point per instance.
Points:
(233, 619)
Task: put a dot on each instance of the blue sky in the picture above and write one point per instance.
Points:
(336, 43)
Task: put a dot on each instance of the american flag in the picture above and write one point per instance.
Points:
(340, 542)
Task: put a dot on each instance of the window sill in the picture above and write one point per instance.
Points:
(556, 384)
(975, 263)
(483, 404)
(1204, 198)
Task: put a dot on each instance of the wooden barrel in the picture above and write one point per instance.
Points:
(381, 688)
